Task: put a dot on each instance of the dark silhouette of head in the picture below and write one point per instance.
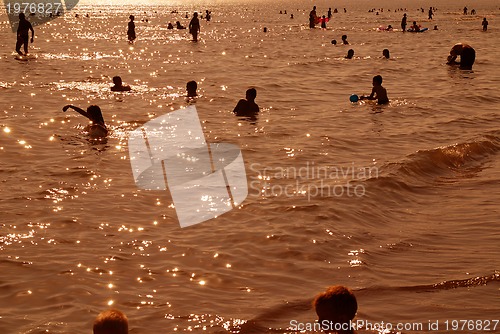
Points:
(350, 54)
(191, 88)
(386, 54)
(334, 41)
(95, 114)
(111, 322)
(22, 16)
(337, 305)
(377, 79)
(131, 17)
(251, 94)
(117, 81)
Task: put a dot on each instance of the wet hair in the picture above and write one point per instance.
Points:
(111, 322)
(251, 93)
(117, 80)
(95, 114)
(378, 79)
(337, 304)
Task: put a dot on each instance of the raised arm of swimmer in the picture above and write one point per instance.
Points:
(78, 110)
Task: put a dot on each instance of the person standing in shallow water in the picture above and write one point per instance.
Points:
(403, 22)
(194, 27)
(23, 34)
(312, 18)
(131, 30)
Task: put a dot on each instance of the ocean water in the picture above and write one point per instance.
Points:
(398, 202)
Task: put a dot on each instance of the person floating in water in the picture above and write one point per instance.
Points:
(94, 114)
(111, 322)
(336, 308)
(350, 54)
(191, 88)
(248, 107)
(312, 18)
(379, 93)
(23, 34)
(403, 22)
(485, 24)
(467, 56)
(344, 39)
(178, 25)
(194, 27)
(119, 87)
(386, 54)
(131, 29)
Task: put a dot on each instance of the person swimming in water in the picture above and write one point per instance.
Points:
(350, 54)
(467, 56)
(379, 93)
(178, 25)
(119, 87)
(248, 107)
(23, 34)
(191, 88)
(344, 40)
(336, 308)
(131, 29)
(111, 321)
(94, 114)
(386, 54)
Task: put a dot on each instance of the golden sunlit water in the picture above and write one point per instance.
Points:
(398, 202)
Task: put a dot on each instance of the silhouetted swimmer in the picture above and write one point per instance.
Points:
(94, 114)
(194, 27)
(247, 107)
(23, 34)
(389, 28)
(415, 27)
(467, 56)
(379, 93)
(350, 54)
(336, 308)
(170, 25)
(312, 18)
(435, 27)
(344, 39)
(386, 54)
(403, 22)
(265, 29)
(119, 87)
(323, 22)
(131, 29)
(465, 10)
(191, 88)
(334, 41)
(473, 12)
(485, 24)
(111, 322)
(207, 15)
(291, 16)
(178, 25)
(329, 13)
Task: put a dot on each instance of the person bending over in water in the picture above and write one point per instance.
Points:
(379, 93)
(23, 34)
(93, 113)
(350, 54)
(194, 27)
(467, 56)
(336, 308)
(247, 107)
(131, 29)
(119, 87)
(111, 322)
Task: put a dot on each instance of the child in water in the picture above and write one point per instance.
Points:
(93, 113)
(378, 92)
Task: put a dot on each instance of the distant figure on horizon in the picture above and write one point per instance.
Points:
(485, 24)
(312, 18)
(344, 40)
(248, 107)
(194, 27)
(191, 88)
(131, 29)
(207, 15)
(467, 56)
(170, 26)
(291, 16)
(23, 34)
(403, 22)
(111, 322)
(430, 13)
(473, 12)
(465, 10)
(119, 87)
(386, 54)
(329, 13)
(94, 114)
(336, 308)
(379, 93)
(350, 54)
